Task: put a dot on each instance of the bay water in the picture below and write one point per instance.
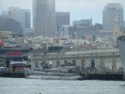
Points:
(38, 86)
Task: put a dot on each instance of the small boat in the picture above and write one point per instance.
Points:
(32, 74)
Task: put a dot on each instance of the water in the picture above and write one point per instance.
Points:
(35, 86)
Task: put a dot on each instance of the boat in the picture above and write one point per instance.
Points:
(32, 74)
(121, 45)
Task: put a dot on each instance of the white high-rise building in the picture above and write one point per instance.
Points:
(44, 17)
(20, 15)
(111, 12)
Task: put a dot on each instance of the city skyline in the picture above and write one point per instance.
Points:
(79, 9)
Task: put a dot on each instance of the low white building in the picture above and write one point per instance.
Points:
(101, 60)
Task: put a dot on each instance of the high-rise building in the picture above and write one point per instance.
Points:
(20, 15)
(10, 25)
(27, 19)
(44, 17)
(111, 12)
(83, 27)
(62, 18)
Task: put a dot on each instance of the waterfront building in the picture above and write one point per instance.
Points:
(103, 61)
(14, 59)
(62, 18)
(20, 15)
(44, 18)
(111, 12)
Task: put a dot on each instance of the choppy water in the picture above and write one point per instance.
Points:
(35, 86)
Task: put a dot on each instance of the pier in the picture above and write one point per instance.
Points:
(12, 74)
(108, 76)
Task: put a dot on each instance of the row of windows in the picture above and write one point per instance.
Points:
(66, 63)
(86, 57)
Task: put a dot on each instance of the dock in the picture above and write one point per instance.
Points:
(12, 74)
(108, 76)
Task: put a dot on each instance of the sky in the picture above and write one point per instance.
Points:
(79, 9)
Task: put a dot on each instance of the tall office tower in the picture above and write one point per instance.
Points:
(111, 12)
(62, 18)
(44, 17)
(20, 15)
(53, 13)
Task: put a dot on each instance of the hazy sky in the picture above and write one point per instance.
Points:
(79, 9)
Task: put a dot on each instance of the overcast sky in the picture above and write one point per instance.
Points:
(79, 9)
